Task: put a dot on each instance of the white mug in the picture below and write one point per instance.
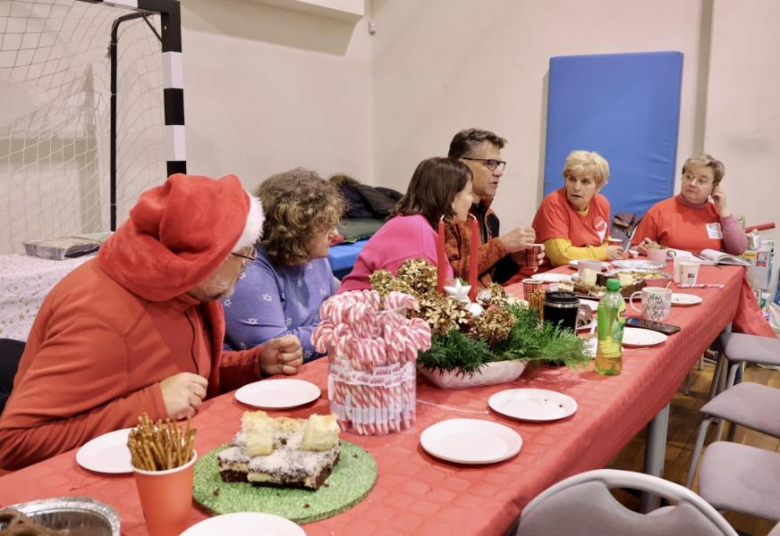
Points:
(656, 303)
(658, 254)
(583, 265)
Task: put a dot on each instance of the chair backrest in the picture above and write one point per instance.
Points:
(10, 353)
(583, 505)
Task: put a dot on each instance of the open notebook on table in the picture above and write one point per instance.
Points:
(711, 257)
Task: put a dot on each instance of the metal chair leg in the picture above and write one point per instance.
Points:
(733, 368)
(714, 388)
(732, 432)
(705, 424)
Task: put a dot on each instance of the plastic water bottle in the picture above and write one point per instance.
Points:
(611, 319)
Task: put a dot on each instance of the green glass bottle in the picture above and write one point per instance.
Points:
(611, 319)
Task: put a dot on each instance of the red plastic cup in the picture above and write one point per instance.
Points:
(166, 498)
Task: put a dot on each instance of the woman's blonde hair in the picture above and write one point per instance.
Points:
(297, 204)
(587, 163)
(706, 160)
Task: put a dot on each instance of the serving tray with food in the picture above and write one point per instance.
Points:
(593, 286)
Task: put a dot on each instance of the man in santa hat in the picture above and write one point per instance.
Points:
(140, 328)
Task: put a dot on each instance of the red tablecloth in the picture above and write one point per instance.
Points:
(418, 494)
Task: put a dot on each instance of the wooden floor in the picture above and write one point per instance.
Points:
(684, 420)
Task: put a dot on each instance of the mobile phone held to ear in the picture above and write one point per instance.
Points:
(666, 329)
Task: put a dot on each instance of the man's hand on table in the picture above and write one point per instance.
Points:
(282, 355)
(183, 393)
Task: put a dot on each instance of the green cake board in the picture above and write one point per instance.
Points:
(350, 481)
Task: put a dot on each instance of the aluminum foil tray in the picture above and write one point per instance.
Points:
(81, 515)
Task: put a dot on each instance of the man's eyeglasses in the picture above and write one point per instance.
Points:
(489, 163)
(248, 258)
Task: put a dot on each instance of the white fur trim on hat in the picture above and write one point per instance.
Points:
(253, 230)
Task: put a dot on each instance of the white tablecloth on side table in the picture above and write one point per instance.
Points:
(24, 283)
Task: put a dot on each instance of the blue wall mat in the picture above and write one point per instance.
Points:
(627, 108)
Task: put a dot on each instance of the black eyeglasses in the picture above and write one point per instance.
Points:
(489, 163)
(251, 257)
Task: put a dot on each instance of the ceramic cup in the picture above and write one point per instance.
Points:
(658, 254)
(588, 265)
(656, 303)
(689, 272)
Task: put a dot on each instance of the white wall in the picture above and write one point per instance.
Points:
(743, 107)
(438, 69)
(268, 89)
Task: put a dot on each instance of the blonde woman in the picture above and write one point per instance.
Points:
(699, 217)
(573, 222)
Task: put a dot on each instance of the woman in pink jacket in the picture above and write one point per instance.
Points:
(440, 187)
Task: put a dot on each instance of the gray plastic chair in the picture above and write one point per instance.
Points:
(582, 505)
(741, 478)
(741, 348)
(751, 405)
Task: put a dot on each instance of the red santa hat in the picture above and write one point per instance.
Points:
(179, 233)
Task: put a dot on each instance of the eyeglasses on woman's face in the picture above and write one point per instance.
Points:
(247, 258)
(489, 163)
(702, 181)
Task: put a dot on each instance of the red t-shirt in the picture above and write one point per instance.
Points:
(556, 218)
(676, 225)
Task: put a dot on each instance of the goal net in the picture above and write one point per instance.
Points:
(55, 91)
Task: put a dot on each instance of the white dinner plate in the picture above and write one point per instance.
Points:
(575, 264)
(533, 404)
(278, 394)
(107, 453)
(553, 278)
(680, 298)
(245, 524)
(470, 441)
(642, 337)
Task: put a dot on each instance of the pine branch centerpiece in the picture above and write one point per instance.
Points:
(466, 336)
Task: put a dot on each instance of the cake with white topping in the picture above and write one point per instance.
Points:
(282, 452)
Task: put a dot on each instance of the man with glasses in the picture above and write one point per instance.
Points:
(480, 150)
(140, 329)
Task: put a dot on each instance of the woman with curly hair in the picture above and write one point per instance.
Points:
(440, 188)
(282, 289)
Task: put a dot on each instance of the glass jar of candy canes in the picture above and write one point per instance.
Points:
(372, 350)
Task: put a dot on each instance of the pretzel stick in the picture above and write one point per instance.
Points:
(160, 446)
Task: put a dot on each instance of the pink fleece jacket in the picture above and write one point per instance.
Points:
(400, 239)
